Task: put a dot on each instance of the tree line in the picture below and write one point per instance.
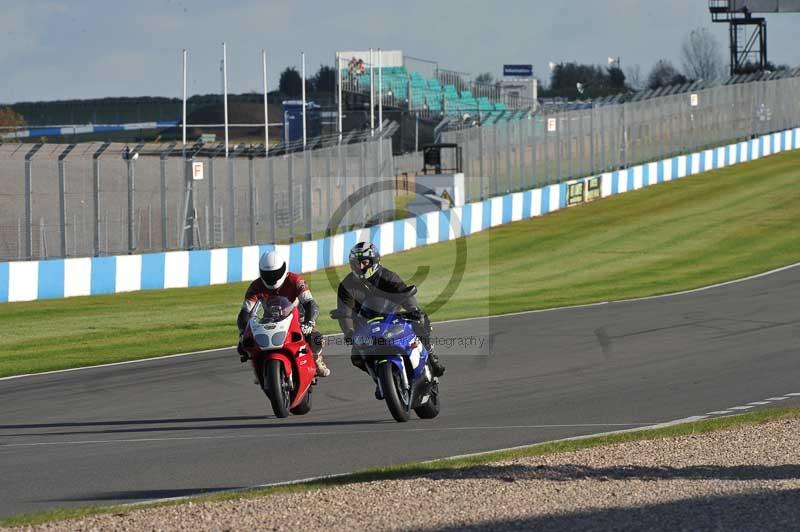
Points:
(701, 58)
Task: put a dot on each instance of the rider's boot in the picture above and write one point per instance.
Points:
(436, 365)
(322, 368)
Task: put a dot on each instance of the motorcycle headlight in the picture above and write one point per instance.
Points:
(262, 340)
(278, 338)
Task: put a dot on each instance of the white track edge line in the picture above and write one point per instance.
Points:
(521, 313)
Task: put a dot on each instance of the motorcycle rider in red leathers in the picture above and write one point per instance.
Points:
(275, 280)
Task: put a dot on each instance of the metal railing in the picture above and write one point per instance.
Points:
(558, 143)
(98, 199)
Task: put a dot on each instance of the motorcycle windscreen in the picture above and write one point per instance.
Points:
(272, 309)
(374, 307)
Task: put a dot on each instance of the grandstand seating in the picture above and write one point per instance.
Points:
(429, 93)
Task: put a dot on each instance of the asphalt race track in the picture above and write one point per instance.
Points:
(185, 425)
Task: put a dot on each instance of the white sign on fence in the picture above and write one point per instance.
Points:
(695, 100)
(197, 171)
(552, 124)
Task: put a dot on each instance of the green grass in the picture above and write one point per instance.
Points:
(709, 228)
(437, 466)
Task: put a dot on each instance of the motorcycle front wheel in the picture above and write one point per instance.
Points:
(279, 392)
(392, 392)
(304, 406)
(431, 408)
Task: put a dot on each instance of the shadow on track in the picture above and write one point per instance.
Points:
(143, 495)
(177, 424)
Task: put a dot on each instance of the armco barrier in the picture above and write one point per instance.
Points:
(26, 281)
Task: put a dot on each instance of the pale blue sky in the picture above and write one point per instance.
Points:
(51, 49)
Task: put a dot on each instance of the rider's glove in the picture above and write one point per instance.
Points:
(307, 327)
(414, 314)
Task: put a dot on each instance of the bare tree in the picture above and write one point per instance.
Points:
(701, 55)
(634, 76)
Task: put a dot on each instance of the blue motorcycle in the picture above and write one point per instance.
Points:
(396, 359)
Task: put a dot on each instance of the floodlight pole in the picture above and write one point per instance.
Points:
(266, 104)
(380, 90)
(225, 92)
(303, 70)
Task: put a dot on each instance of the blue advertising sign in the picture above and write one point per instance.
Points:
(520, 71)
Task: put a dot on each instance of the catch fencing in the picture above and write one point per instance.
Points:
(98, 199)
(101, 199)
(554, 146)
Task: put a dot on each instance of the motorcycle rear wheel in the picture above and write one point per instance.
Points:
(279, 395)
(387, 374)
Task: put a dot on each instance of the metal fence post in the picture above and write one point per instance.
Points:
(559, 149)
(189, 216)
(363, 179)
(231, 160)
(523, 169)
(163, 156)
(131, 203)
(307, 196)
(508, 146)
(252, 196)
(290, 206)
(495, 154)
(271, 203)
(345, 197)
(572, 146)
(62, 199)
(328, 187)
(592, 138)
(546, 135)
(28, 202)
(534, 149)
(212, 206)
(481, 173)
(96, 197)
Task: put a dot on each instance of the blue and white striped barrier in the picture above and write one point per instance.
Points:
(55, 131)
(31, 280)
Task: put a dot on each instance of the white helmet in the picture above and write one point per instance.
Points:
(272, 270)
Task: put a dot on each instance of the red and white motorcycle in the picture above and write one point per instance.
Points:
(281, 357)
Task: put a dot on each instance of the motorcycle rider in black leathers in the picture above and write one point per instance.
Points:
(369, 279)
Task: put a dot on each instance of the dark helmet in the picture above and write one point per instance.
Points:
(365, 260)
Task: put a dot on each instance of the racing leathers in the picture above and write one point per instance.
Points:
(295, 289)
(352, 294)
